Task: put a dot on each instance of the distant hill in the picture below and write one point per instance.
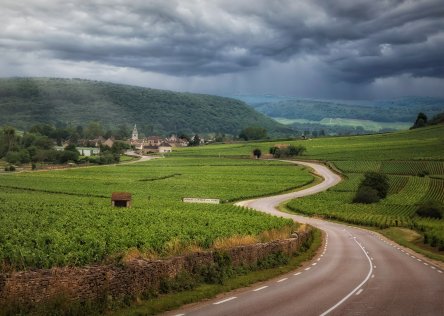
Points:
(27, 101)
(393, 110)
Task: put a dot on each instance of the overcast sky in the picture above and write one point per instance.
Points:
(308, 48)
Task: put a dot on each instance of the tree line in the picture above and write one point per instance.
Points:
(37, 144)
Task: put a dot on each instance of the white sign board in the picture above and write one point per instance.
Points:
(199, 200)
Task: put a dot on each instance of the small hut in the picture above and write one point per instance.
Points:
(121, 199)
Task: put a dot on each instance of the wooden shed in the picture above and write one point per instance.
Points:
(121, 199)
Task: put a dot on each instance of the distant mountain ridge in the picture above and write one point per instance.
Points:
(27, 101)
(404, 109)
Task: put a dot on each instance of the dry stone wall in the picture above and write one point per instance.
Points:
(133, 278)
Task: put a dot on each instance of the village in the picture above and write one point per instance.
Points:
(139, 146)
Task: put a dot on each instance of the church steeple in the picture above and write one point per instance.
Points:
(135, 135)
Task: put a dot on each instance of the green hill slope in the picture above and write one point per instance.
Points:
(26, 101)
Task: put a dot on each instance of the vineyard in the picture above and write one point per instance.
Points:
(413, 161)
(60, 218)
(397, 210)
(63, 217)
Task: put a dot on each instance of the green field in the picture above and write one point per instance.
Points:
(403, 156)
(64, 217)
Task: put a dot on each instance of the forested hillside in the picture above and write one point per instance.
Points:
(27, 101)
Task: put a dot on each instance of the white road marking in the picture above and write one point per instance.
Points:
(426, 264)
(306, 269)
(359, 292)
(433, 268)
(419, 260)
(373, 276)
(318, 259)
(314, 264)
(439, 271)
(297, 273)
(260, 288)
(179, 315)
(226, 300)
(282, 280)
(370, 272)
(374, 267)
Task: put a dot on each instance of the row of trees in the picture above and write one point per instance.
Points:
(288, 151)
(422, 120)
(281, 152)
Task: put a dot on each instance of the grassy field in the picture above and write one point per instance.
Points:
(403, 156)
(63, 217)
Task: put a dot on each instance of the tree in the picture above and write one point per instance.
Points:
(372, 188)
(366, 195)
(13, 157)
(253, 133)
(432, 209)
(9, 137)
(194, 141)
(257, 153)
(93, 130)
(275, 151)
(289, 151)
(292, 150)
(68, 155)
(119, 147)
(377, 181)
(421, 121)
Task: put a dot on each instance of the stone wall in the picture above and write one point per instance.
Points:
(132, 278)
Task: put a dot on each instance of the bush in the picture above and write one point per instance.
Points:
(431, 209)
(366, 195)
(257, 153)
(423, 173)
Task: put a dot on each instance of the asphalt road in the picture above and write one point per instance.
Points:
(357, 272)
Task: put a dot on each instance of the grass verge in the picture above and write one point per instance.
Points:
(413, 240)
(167, 302)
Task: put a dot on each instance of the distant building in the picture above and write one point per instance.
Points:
(135, 134)
(153, 140)
(165, 148)
(88, 151)
(109, 142)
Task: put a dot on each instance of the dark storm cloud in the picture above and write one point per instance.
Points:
(357, 41)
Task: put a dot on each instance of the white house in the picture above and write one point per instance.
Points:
(165, 148)
(88, 151)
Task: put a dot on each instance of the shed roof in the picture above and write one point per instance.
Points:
(121, 196)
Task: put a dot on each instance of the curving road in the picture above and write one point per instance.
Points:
(357, 272)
